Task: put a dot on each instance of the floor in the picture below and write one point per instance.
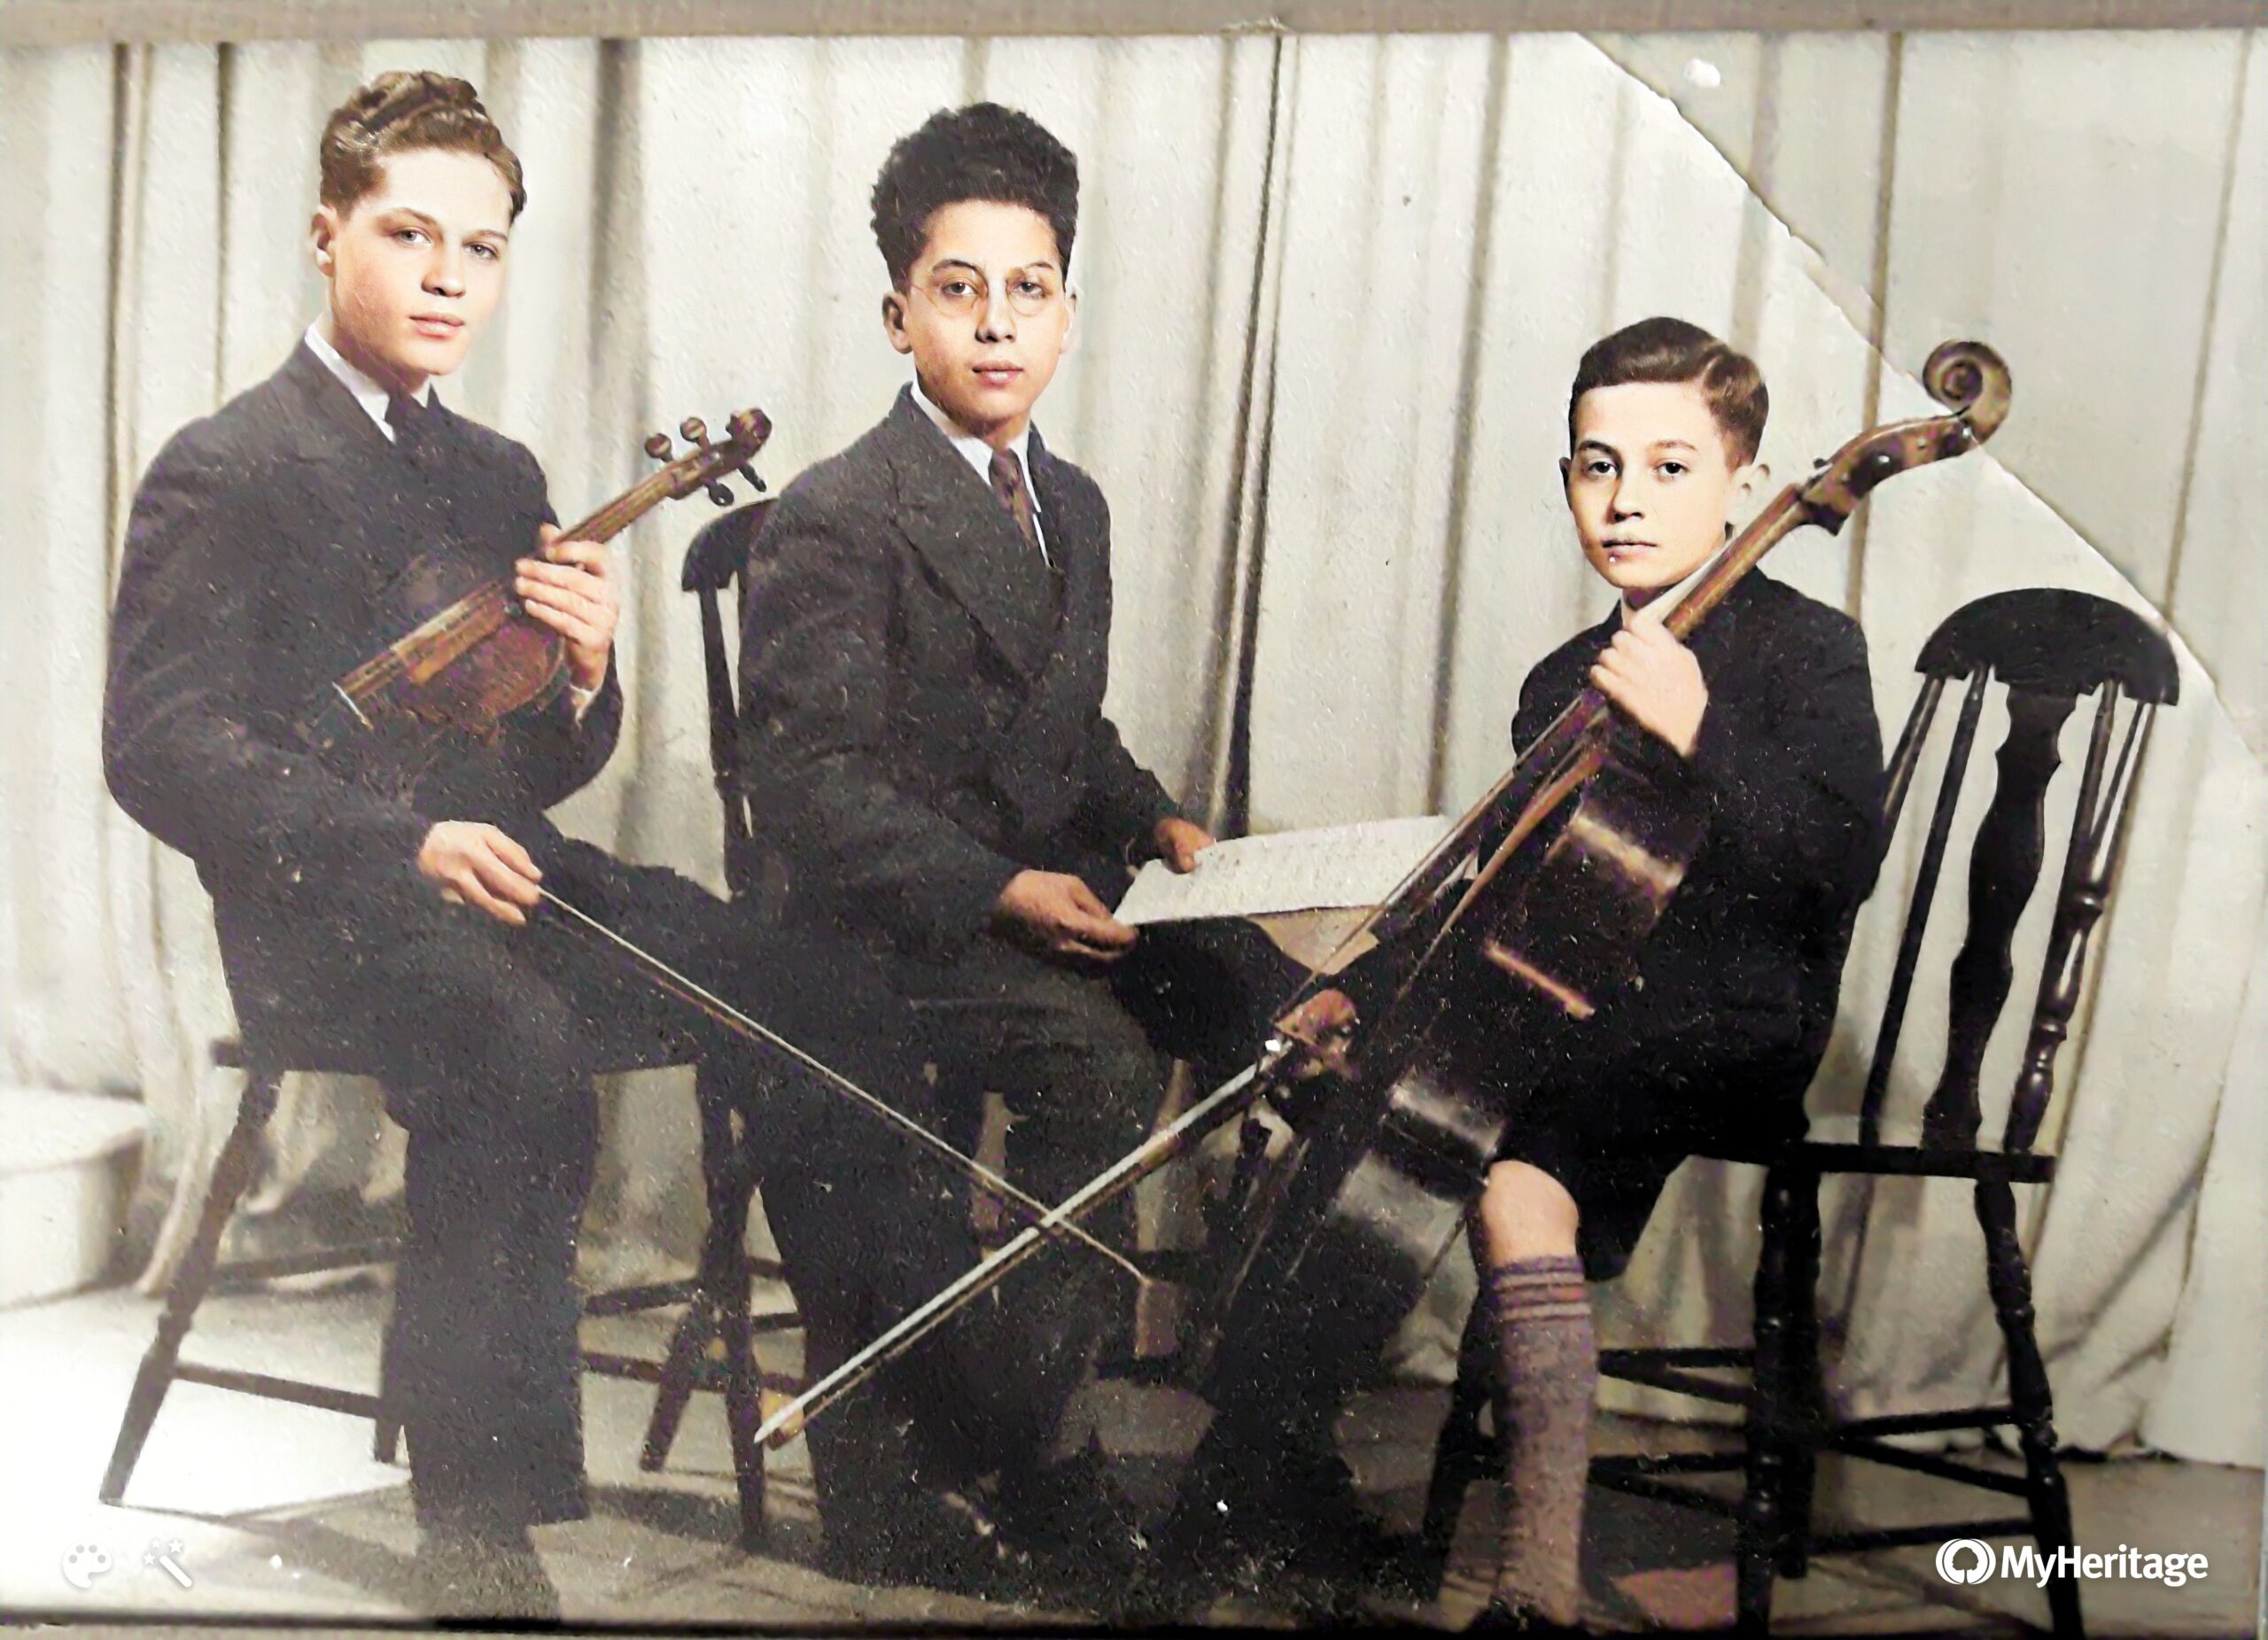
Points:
(268, 1511)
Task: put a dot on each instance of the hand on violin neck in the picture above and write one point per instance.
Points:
(476, 864)
(569, 587)
(1653, 680)
(1057, 915)
(1180, 842)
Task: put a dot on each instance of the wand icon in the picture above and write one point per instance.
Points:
(161, 1555)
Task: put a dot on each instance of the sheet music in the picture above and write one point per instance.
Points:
(1329, 866)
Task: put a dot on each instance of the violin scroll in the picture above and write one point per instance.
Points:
(1968, 378)
(712, 460)
(1971, 380)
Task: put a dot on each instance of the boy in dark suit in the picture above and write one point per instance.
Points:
(272, 547)
(1771, 712)
(925, 671)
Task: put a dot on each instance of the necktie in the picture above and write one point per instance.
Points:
(1008, 485)
(412, 423)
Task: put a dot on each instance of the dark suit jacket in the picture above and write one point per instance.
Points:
(1788, 762)
(264, 559)
(924, 722)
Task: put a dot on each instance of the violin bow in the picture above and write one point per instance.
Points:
(694, 995)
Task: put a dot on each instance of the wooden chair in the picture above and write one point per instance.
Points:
(2046, 648)
(711, 1347)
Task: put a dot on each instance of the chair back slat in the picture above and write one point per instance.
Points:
(2090, 865)
(2004, 865)
(724, 555)
(1925, 882)
(2047, 648)
(1908, 755)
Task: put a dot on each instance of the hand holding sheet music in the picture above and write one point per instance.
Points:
(1329, 866)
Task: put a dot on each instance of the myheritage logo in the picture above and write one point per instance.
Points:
(1972, 1560)
(1966, 1561)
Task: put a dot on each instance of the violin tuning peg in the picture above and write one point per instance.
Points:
(720, 495)
(658, 446)
(753, 482)
(693, 430)
(1818, 461)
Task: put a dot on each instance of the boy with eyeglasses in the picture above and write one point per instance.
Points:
(925, 671)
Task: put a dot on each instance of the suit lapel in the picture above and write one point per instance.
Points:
(969, 538)
(1076, 534)
(1038, 764)
(364, 504)
(327, 423)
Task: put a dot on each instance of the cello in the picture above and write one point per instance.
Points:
(1538, 901)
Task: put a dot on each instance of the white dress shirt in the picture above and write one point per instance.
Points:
(368, 393)
(372, 398)
(978, 455)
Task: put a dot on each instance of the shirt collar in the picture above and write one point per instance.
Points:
(974, 450)
(367, 393)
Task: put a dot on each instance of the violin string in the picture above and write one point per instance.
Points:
(668, 979)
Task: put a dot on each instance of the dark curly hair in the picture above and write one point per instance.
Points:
(397, 113)
(982, 151)
(1671, 350)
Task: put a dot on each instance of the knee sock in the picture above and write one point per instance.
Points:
(1547, 1382)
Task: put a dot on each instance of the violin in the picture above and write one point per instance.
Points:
(1536, 904)
(473, 657)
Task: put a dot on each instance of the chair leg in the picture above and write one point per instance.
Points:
(744, 1403)
(721, 1262)
(719, 1316)
(1761, 1529)
(232, 1175)
(1804, 1409)
(385, 1432)
(680, 1374)
(1460, 1455)
(2010, 1281)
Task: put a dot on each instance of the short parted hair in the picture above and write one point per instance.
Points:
(1671, 350)
(401, 111)
(981, 151)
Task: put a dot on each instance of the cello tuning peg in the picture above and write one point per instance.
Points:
(720, 494)
(658, 446)
(753, 482)
(694, 429)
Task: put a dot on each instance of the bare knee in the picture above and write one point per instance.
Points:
(1525, 1213)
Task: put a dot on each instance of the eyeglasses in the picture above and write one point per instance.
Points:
(962, 293)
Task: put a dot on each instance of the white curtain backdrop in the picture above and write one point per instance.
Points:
(1332, 290)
